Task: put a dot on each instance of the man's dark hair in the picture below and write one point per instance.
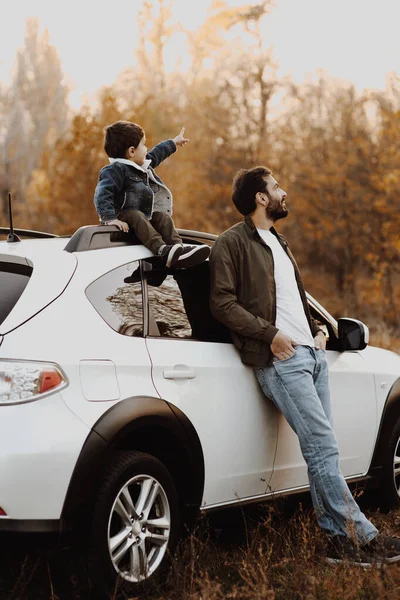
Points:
(120, 136)
(246, 184)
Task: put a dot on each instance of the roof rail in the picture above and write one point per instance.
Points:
(28, 233)
(96, 237)
(197, 237)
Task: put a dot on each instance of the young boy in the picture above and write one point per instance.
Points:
(130, 195)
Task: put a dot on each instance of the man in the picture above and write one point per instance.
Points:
(257, 292)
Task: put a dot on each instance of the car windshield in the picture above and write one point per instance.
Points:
(15, 272)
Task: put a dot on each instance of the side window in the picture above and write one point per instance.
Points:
(179, 306)
(167, 313)
(117, 297)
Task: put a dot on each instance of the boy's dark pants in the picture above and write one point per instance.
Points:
(153, 233)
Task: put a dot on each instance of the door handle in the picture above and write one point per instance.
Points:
(179, 374)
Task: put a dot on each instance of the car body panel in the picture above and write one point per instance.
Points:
(385, 365)
(39, 445)
(235, 422)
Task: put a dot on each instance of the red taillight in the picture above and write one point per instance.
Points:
(27, 380)
(2, 512)
(49, 380)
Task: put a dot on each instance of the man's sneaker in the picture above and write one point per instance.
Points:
(379, 551)
(386, 546)
(192, 255)
(170, 254)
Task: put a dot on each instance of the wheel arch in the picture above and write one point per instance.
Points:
(145, 424)
(390, 411)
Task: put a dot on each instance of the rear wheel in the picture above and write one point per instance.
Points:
(135, 523)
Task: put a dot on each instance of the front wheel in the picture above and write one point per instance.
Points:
(389, 490)
(135, 523)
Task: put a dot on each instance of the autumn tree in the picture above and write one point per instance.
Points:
(226, 111)
(328, 159)
(341, 173)
(384, 239)
(33, 114)
(232, 43)
(145, 82)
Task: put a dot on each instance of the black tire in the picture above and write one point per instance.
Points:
(389, 489)
(109, 522)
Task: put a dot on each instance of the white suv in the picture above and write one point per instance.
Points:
(124, 408)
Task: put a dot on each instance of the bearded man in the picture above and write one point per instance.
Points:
(257, 292)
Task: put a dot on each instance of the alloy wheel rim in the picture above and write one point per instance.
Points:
(139, 528)
(396, 467)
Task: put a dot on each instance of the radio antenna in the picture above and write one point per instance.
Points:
(12, 237)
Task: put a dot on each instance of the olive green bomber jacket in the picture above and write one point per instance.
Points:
(243, 293)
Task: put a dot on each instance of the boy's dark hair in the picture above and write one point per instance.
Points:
(120, 136)
(246, 184)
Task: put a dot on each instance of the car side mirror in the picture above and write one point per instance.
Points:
(353, 334)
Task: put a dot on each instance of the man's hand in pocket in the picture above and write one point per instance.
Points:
(282, 346)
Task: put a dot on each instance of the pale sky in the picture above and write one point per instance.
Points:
(354, 40)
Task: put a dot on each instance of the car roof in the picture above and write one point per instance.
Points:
(38, 247)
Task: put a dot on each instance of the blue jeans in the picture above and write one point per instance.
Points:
(299, 388)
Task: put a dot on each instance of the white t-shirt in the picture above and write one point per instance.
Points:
(290, 316)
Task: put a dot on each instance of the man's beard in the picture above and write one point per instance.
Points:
(276, 211)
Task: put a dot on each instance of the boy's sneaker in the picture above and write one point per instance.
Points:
(134, 278)
(379, 551)
(170, 254)
(192, 255)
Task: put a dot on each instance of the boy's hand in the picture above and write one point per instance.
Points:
(180, 140)
(120, 224)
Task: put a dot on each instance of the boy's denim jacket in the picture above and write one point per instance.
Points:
(122, 187)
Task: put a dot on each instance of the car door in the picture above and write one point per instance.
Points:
(353, 408)
(197, 369)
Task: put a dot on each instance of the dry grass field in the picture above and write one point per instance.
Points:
(264, 552)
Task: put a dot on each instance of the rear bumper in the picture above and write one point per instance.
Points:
(39, 445)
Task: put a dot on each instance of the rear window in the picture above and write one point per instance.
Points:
(15, 272)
